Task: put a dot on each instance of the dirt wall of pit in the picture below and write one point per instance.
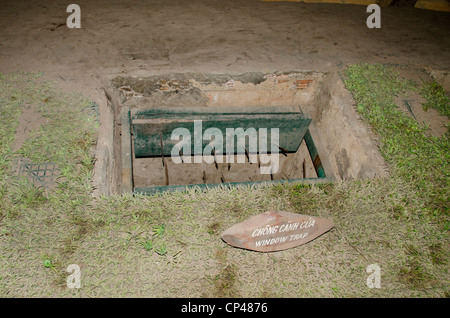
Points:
(107, 179)
(347, 141)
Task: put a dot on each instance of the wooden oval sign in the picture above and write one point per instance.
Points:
(275, 231)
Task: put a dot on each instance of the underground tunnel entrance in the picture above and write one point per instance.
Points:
(320, 135)
(169, 147)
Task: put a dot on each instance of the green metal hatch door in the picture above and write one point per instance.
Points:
(152, 128)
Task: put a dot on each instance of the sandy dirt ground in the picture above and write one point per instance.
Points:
(142, 38)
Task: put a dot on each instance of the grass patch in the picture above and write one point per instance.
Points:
(435, 97)
(418, 158)
(224, 282)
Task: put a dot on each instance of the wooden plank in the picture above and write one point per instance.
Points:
(127, 169)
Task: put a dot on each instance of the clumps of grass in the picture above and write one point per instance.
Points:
(412, 154)
(155, 242)
(161, 249)
(213, 228)
(159, 230)
(11, 101)
(81, 227)
(49, 261)
(24, 193)
(225, 282)
(414, 275)
(147, 244)
(415, 272)
(435, 97)
(438, 254)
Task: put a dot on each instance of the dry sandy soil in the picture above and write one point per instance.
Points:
(146, 38)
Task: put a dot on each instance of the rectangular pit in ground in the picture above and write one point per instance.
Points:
(287, 157)
(346, 146)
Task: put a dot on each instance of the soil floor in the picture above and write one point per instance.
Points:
(142, 38)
